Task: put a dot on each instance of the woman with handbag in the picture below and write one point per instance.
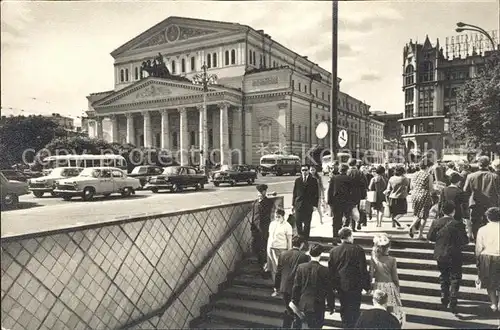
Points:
(321, 193)
(397, 192)
(376, 193)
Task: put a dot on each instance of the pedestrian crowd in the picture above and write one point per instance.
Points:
(462, 205)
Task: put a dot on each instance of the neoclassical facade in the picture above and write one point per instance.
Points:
(267, 97)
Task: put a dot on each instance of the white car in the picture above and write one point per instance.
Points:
(46, 184)
(94, 181)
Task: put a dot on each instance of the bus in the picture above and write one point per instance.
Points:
(84, 161)
(279, 164)
(327, 163)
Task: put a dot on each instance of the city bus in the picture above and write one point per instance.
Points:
(327, 163)
(279, 164)
(84, 161)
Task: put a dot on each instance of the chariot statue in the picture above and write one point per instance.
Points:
(156, 67)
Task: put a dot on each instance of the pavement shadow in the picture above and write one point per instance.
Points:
(22, 206)
(109, 198)
(187, 191)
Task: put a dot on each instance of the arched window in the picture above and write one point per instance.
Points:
(122, 75)
(421, 128)
(233, 56)
(173, 67)
(214, 60)
(183, 65)
(126, 75)
(265, 133)
(209, 61)
(226, 57)
(430, 127)
(136, 73)
(210, 138)
(193, 64)
(192, 138)
(175, 143)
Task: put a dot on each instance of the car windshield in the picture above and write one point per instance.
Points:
(90, 172)
(268, 161)
(172, 170)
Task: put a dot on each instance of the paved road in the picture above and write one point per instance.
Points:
(49, 213)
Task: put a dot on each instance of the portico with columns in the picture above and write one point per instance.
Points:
(158, 113)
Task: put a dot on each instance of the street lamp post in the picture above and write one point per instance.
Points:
(333, 102)
(469, 27)
(205, 80)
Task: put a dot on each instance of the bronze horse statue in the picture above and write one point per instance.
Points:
(156, 67)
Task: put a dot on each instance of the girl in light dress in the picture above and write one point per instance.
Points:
(321, 194)
(384, 274)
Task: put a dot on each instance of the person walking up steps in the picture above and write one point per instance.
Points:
(422, 185)
(397, 191)
(378, 184)
(450, 237)
(384, 274)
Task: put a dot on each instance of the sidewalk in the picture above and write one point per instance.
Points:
(325, 229)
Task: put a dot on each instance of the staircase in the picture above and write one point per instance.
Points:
(244, 300)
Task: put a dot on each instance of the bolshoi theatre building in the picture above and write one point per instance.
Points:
(266, 99)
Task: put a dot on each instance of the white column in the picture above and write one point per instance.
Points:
(165, 131)
(200, 134)
(148, 137)
(237, 135)
(224, 134)
(130, 129)
(114, 128)
(248, 136)
(98, 127)
(183, 134)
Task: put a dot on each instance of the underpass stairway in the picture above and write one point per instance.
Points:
(245, 301)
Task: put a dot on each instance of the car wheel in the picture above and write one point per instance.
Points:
(38, 194)
(263, 174)
(216, 184)
(107, 195)
(154, 190)
(53, 194)
(250, 181)
(232, 183)
(200, 186)
(66, 198)
(11, 201)
(176, 188)
(126, 192)
(88, 194)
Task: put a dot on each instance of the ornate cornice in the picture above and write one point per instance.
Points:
(223, 105)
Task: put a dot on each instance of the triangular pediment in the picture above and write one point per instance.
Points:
(149, 89)
(176, 30)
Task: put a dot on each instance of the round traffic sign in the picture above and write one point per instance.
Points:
(343, 138)
(322, 130)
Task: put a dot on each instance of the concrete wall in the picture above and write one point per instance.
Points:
(153, 272)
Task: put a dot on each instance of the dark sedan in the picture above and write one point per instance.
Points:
(177, 178)
(234, 174)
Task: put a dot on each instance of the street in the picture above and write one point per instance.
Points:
(49, 213)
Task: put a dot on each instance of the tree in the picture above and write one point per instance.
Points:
(477, 119)
(21, 137)
(79, 145)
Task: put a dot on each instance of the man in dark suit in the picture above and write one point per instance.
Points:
(340, 198)
(261, 219)
(450, 237)
(359, 188)
(304, 200)
(454, 194)
(285, 275)
(311, 287)
(350, 275)
(483, 187)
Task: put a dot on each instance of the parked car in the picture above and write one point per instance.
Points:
(234, 174)
(93, 181)
(177, 178)
(143, 173)
(14, 175)
(47, 184)
(11, 190)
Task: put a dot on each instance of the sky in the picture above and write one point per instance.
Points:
(56, 53)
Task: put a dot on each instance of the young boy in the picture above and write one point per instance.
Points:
(453, 193)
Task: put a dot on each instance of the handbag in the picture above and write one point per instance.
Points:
(371, 196)
(387, 211)
(364, 206)
(291, 220)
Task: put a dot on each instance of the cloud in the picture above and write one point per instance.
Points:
(16, 19)
(370, 77)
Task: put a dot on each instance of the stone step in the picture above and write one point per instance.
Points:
(396, 243)
(271, 314)
(422, 288)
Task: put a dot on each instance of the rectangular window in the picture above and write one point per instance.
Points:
(193, 66)
(300, 89)
(293, 84)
